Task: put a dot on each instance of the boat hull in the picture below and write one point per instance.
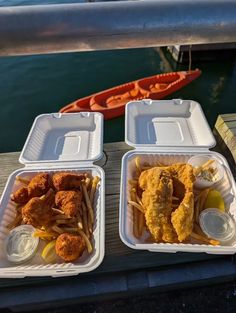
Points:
(111, 102)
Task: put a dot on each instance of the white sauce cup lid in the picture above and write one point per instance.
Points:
(21, 245)
(217, 225)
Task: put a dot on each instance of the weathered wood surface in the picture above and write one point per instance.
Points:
(118, 257)
(226, 128)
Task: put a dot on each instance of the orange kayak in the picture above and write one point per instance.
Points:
(111, 102)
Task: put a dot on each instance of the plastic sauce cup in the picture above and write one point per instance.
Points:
(217, 225)
(21, 245)
(200, 182)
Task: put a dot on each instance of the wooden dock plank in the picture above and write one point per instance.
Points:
(226, 128)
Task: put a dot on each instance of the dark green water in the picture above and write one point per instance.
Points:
(33, 85)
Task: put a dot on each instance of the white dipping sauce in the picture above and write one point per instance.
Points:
(20, 244)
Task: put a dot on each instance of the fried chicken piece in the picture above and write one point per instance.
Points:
(20, 196)
(69, 247)
(67, 181)
(39, 185)
(183, 178)
(157, 201)
(182, 217)
(38, 212)
(68, 201)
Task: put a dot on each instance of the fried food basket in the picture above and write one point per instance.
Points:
(169, 131)
(58, 142)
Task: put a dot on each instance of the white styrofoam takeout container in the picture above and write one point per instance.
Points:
(169, 131)
(58, 142)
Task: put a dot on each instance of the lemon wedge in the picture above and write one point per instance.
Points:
(49, 253)
(215, 200)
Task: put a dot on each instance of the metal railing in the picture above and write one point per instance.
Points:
(115, 25)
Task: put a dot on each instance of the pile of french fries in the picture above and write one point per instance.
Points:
(135, 203)
(82, 223)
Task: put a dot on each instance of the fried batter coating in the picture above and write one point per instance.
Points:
(67, 181)
(20, 196)
(39, 185)
(157, 201)
(38, 212)
(183, 178)
(69, 247)
(182, 217)
(69, 201)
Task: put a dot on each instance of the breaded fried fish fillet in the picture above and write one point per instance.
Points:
(183, 178)
(157, 201)
(182, 217)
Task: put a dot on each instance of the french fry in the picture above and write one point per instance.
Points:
(159, 164)
(60, 216)
(204, 166)
(199, 204)
(88, 244)
(88, 183)
(175, 205)
(90, 224)
(207, 164)
(93, 188)
(23, 180)
(79, 221)
(202, 198)
(137, 164)
(196, 211)
(175, 198)
(17, 221)
(135, 213)
(197, 230)
(65, 221)
(85, 219)
(58, 211)
(146, 167)
(69, 229)
(57, 229)
(140, 214)
(133, 182)
(141, 223)
(136, 205)
(138, 200)
(205, 239)
(88, 203)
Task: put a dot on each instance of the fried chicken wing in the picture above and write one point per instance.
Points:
(20, 196)
(38, 212)
(69, 201)
(67, 181)
(182, 217)
(69, 247)
(39, 185)
(157, 201)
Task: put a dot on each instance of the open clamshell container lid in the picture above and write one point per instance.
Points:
(168, 132)
(58, 142)
(171, 123)
(67, 137)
